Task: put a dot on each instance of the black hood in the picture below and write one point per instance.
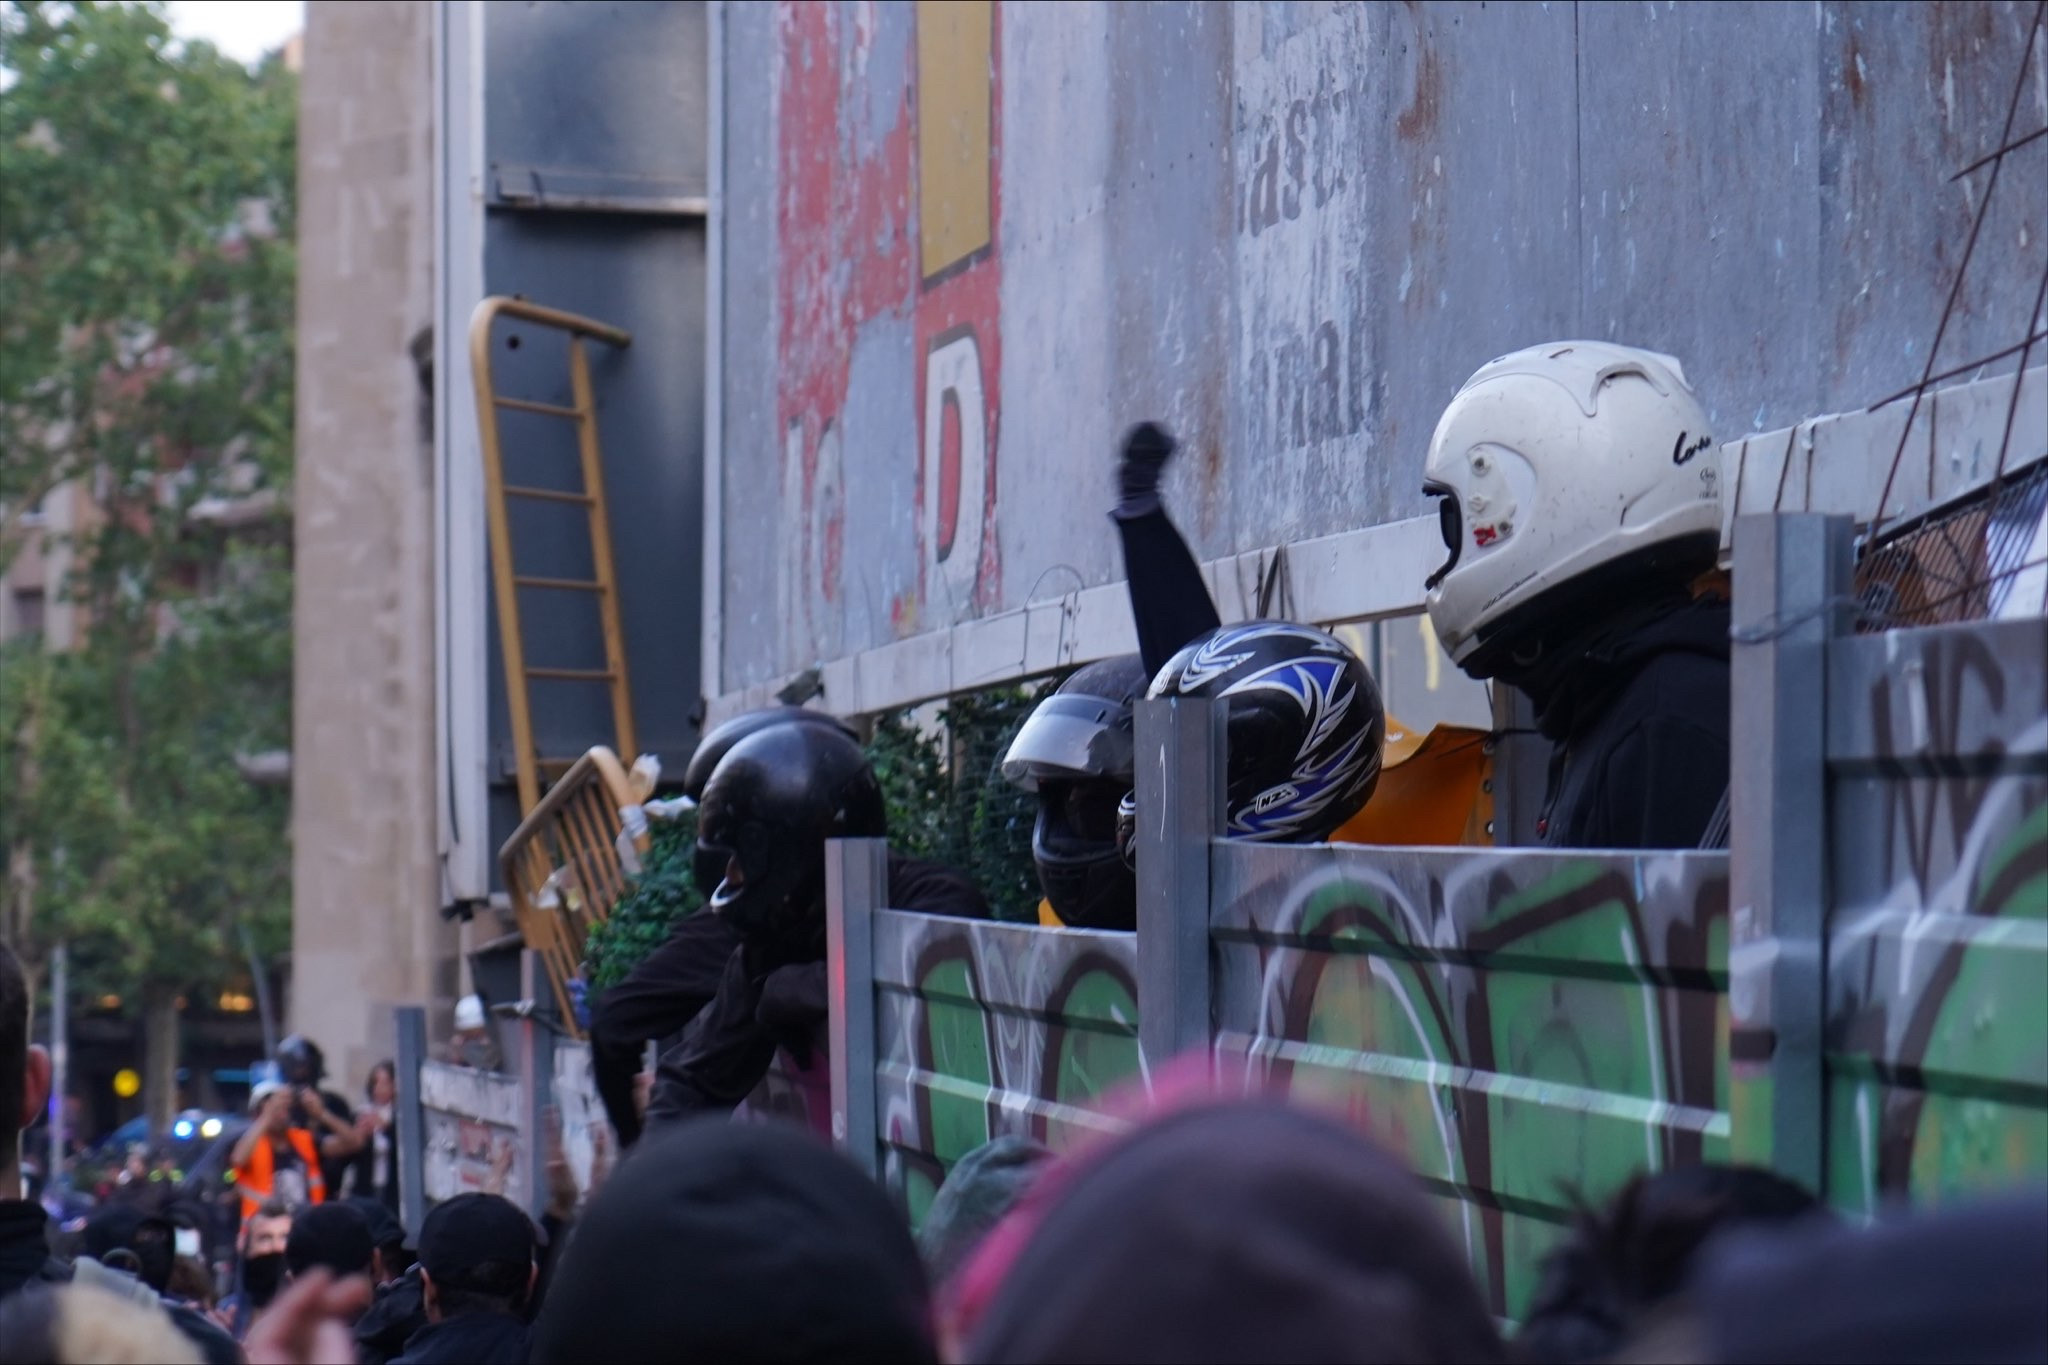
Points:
(736, 1242)
(1574, 675)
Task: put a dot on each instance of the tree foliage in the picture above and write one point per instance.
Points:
(146, 327)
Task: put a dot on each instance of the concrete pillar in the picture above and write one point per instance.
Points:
(366, 935)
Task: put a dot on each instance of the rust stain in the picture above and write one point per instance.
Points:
(1852, 68)
(1419, 120)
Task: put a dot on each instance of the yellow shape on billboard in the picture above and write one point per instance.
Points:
(955, 85)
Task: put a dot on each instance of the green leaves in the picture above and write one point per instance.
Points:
(146, 350)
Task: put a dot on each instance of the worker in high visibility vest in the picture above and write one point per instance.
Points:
(278, 1157)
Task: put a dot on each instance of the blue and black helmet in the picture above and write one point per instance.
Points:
(1306, 725)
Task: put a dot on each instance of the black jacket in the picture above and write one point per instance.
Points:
(395, 1315)
(1638, 711)
(472, 1339)
(25, 1260)
(770, 998)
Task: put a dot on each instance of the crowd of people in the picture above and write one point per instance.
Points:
(1203, 1225)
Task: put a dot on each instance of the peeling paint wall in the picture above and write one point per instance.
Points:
(1291, 230)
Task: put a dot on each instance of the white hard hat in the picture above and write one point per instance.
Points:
(469, 1014)
(262, 1091)
(1559, 460)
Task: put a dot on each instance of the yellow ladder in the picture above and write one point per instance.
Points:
(506, 579)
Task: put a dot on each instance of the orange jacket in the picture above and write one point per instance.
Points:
(256, 1180)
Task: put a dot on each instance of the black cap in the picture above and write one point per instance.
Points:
(385, 1229)
(473, 1230)
(333, 1236)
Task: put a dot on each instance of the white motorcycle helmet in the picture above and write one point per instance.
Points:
(1556, 462)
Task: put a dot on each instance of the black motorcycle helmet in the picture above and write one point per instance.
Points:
(1075, 751)
(713, 748)
(1306, 726)
(771, 804)
(299, 1061)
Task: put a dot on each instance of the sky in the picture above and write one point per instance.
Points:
(243, 29)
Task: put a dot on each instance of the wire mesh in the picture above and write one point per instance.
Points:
(1968, 562)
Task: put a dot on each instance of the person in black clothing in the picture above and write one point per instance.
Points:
(768, 809)
(1619, 1265)
(1579, 496)
(738, 1242)
(668, 987)
(301, 1065)
(477, 1273)
(25, 1259)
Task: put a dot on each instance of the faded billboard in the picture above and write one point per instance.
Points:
(964, 245)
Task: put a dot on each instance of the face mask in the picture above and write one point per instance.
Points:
(261, 1277)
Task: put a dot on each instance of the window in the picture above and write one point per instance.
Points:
(28, 611)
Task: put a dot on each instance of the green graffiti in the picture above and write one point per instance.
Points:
(963, 1071)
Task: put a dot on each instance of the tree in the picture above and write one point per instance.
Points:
(146, 309)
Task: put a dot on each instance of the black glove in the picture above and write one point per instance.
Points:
(1146, 450)
(793, 1003)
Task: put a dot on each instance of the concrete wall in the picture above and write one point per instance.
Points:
(964, 246)
(365, 932)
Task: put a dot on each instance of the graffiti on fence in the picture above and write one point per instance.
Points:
(984, 1029)
(1937, 1022)
(1520, 1027)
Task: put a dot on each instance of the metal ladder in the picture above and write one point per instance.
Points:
(507, 581)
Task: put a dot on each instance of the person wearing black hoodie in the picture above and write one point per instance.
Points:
(1579, 497)
(477, 1272)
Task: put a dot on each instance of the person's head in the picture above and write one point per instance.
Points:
(382, 1087)
(122, 1235)
(1243, 1231)
(264, 1238)
(1570, 477)
(1306, 727)
(720, 1241)
(82, 1324)
(1620, 1263)
(24, 1072)
(771, 804)
(191, 1282)
(1075, 752)
(335, 1237)
(387, 1236)
(270, 1105)
(979, 1192)
(476, 1255)
(268, 1230)
(300, 1062)
(717, 743)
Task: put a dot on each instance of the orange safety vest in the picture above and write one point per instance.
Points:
(257, 1179)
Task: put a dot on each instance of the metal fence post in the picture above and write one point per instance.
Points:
(856, 885)
(412, 1133)
(1792, 581)
(1180, 768)
(537, 1061)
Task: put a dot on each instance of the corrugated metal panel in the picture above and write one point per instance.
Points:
(594, 184)
(1291, 230)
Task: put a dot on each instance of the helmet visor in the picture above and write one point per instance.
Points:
(1071, 737)
(1451, 522)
